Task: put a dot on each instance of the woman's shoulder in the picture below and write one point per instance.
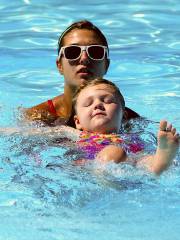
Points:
(45, 111)
(130, 114)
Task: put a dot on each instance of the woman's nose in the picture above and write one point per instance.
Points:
(84, 57)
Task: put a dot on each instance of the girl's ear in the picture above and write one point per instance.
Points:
(59, 66)
(77, 122)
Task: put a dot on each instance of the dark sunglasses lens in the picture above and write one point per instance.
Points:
(96, 52)
(72, 52)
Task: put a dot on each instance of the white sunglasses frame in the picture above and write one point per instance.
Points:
(84, 48)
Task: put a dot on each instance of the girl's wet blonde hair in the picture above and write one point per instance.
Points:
(95, 82)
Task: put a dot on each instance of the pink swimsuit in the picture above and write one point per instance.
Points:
(91, 143)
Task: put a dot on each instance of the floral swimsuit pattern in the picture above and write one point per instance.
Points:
(92, 143)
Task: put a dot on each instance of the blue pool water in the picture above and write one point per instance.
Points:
(67, 202)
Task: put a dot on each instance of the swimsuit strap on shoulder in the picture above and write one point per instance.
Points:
(52, 109)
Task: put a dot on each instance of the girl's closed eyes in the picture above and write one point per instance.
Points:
(108, 99)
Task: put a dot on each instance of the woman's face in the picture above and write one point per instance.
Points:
(82, 69)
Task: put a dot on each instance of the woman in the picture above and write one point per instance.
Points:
(82, 56)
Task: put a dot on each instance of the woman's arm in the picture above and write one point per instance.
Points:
(50, 132)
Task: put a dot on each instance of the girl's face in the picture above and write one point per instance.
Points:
(82, 69)
(98, 109)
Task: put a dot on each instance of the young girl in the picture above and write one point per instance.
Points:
(99, 108)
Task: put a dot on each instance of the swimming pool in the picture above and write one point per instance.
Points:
(65, 202)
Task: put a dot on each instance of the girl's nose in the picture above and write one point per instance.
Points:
(99, 105)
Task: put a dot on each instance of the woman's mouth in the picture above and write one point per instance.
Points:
(84, 72)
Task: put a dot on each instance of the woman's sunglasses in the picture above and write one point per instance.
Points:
(94, 52)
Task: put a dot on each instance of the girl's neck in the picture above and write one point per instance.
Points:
(100, 133)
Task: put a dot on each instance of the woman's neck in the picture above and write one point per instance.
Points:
(68, 95)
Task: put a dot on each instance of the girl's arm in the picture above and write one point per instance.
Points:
(167, 148)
